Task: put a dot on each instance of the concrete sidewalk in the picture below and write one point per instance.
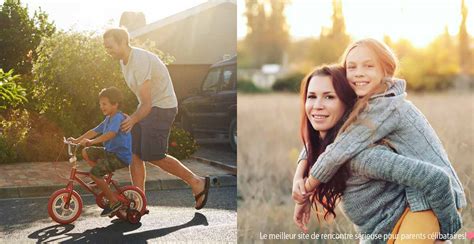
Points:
(43, 178)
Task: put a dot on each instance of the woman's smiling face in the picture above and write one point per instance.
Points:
(363, 70)
(323, 107)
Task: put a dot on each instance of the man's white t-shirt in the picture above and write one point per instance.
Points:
(144, 65)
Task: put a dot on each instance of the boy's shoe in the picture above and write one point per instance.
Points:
(109, 210)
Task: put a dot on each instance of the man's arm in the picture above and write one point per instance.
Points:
(143, 109)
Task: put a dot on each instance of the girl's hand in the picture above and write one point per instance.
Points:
(298, 192)
(302, 215)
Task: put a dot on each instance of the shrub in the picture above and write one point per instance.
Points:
(14, 130)
(11, 94)
(247, 86)
(7, 153)
(290, 83)
(43, 142)
(181, 143)
(28, 136)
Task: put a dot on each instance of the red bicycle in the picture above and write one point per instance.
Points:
(65, 205)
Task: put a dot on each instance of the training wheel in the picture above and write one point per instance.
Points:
(133, 216)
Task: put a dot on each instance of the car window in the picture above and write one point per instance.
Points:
(211, 82)
(228, 78)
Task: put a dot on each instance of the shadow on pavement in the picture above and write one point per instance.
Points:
(112, 233)
(224, 198)
(51, 231)
(142, 237)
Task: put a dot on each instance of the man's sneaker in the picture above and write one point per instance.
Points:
(108, 210)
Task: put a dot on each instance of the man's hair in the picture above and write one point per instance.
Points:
(113, 94)
(120, 35)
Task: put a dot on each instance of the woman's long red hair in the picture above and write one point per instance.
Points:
(327, 193)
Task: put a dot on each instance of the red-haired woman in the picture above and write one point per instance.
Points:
(374, 184)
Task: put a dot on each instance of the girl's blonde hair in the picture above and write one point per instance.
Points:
(387, 59)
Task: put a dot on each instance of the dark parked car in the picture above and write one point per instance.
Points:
(213, 111)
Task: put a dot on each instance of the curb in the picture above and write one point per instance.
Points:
(218, 164)
(154, 185)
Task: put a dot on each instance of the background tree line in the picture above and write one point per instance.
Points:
(434, 67)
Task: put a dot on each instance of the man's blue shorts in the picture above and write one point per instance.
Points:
(150, 136)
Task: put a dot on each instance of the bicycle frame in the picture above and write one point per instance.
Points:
(72, 150)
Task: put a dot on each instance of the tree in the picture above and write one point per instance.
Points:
(277, 32)
(267, 32)
(332, 41)
(254, 39)
(465, 55)
(132, 20)
(20, 34)
(431, 68)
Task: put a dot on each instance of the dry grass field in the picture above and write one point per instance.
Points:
(269, 143)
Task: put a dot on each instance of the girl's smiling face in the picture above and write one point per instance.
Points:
(323, 107)
(363, 70)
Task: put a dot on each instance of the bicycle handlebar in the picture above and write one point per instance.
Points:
(69, 142)
(69, 145)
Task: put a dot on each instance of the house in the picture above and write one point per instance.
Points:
(197, 38)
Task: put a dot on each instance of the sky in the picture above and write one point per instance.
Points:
(419, 21)
(97, 15)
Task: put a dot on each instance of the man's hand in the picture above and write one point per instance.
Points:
(298, 192)
(302, 215)
(143, 109)
(85, 142)
(128, 123)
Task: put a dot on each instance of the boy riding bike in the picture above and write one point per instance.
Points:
(117, 150)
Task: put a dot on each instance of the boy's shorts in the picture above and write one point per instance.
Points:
(150, 136)
(106, 162)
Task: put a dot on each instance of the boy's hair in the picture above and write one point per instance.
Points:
(120, 35)
(113, 94)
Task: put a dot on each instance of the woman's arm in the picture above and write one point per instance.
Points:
(381, 163)
(379, 120)
(298, 192)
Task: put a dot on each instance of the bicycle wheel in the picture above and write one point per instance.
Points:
(57, 210)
